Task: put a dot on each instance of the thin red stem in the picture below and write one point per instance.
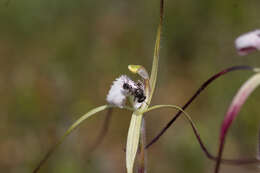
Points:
(103, 131)
(203, 86)
(220, 151)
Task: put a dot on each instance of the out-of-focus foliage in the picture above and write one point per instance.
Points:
(59, 57)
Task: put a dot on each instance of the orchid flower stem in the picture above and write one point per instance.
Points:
(197, 93)
(203, 147)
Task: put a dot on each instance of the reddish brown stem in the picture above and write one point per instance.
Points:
(218, 159)
(203, 86)
(103, 131)
(220, 151)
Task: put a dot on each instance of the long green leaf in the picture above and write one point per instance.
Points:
(70, 129)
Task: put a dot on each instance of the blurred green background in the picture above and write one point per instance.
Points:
(58, 59)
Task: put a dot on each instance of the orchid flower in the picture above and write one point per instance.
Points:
(140, 95)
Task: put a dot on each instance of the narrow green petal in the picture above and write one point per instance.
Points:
(84, 117)
(133, 140)
(164, 106)
(153, 77)
(70, 129)
(156, 52)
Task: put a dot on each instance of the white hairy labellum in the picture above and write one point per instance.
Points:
(124, 87)
(248, 42)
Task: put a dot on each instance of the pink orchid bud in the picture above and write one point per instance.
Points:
(248, 42)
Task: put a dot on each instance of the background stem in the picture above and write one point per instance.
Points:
(103, 131)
